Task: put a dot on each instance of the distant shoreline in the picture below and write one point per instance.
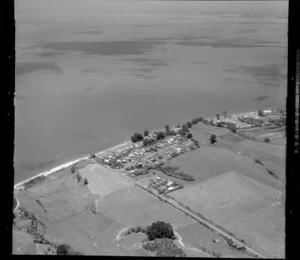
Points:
(66, 165)
(70, 163)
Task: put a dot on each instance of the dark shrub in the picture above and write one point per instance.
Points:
(160, 229)
(189, 124)
(213, 139)
(232, 127)
(260, 112)
(146, 133)
(189, 136)
(73, 169)
(85, 181)
(63, 249)
(136, 137)
(267, 140)
(92, 156)
(160, 135)
(259, 162)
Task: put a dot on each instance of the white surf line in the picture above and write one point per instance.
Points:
(65, 165)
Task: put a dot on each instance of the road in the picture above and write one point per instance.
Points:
(209, 224)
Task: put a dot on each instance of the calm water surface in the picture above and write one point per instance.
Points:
(89, 73)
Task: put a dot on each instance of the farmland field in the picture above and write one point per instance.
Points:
(270, 155)
(103, 181)
(229, 200)
(202, 132)
(207, 162)
(196, 235)
(264, 229)
(123, 205)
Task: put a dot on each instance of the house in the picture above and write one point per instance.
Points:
(267, 111)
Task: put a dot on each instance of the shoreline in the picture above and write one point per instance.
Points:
(126, 142)
(66, 165)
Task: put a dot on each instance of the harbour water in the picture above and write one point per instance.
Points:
(90, 73)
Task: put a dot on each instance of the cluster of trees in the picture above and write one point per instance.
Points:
(176, 172)
(196, 120)
(160, 229)
(230, 126)
(160, 240)
(164, 247)
(65, 249)
(137, 137)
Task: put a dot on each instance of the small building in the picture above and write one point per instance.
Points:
(267, 111)
(170, 188)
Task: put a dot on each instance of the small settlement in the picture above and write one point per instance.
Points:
(249, 119)
(138, 159)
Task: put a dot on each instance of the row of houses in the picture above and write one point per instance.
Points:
(162, 185)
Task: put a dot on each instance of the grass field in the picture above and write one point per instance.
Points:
(231, 200)
(276, 136)
(22, 243)
(264, 230)
(133, 206)
(202, 132)
(103, 181)
(207, 162)
(272, 156)
(196, 235)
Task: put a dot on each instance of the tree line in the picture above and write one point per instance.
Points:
(156, 136)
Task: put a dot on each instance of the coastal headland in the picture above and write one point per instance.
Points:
(218, 181)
